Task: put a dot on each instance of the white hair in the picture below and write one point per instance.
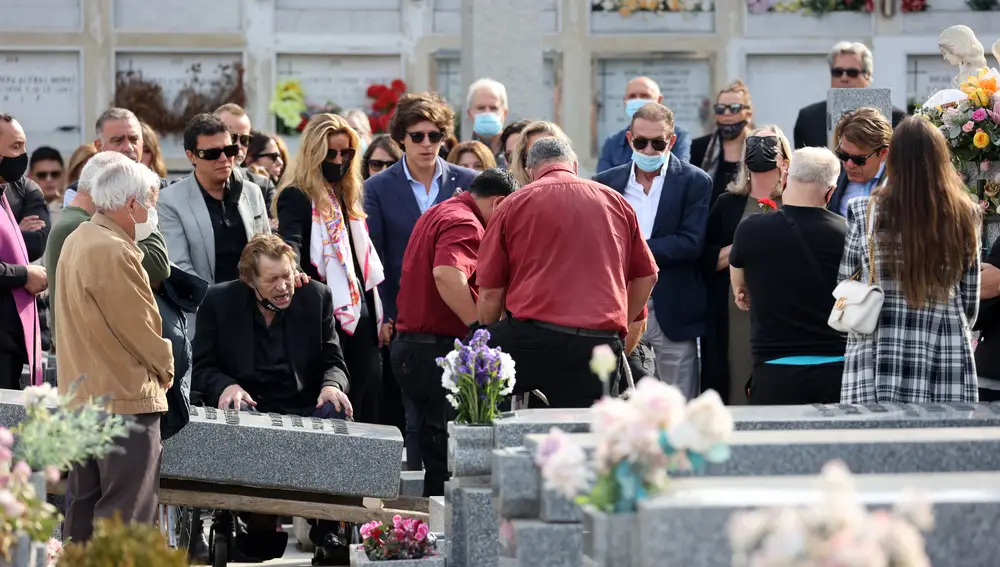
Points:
(495, 86)
(814, 166)
(365, 127)
(95, 166)
(550, 150)
(853, 48)
(121, 180)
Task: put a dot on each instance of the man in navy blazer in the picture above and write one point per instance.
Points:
(670, 198)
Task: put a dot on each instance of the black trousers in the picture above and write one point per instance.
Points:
(787, 385)
(553, 362)
(414, 365)
(364, 367)
(11, 365)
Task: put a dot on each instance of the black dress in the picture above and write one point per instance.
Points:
(725, 171)
(988, 325)
(361, 350)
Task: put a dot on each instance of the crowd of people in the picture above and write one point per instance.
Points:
(328, 283)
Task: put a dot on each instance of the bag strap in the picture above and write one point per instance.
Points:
(810, 257)
(871, 242)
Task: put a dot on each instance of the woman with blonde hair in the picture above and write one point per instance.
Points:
(473, 155)
(152, 155)
(320, 214)
(718, 152)
(74, 167)
(727, 359)
(917, 237)
(534, 132)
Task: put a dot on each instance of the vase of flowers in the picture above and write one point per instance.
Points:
(476, 378)
(406, 543)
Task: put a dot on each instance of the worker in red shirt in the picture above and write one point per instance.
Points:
(567, 258)
(439, 284)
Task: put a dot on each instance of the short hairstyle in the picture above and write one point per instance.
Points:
(816, 166)
(510, 130)
(269, 245)
(202, 125)
(232, 108)
(865, 127)
(95, 166)
(548, 150)
(740, 88)
(482, 151)
(121, 180)
(45, 153)
(654, 112)
(414, 108)
(519, 159)
(113, 113)
(379, 142)
(486, 83)
(853, 48)
(6, 117)
(494, 182)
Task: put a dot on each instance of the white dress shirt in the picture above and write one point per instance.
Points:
(645, 206)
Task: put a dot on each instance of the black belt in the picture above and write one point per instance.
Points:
(576, 331)
(424, 338)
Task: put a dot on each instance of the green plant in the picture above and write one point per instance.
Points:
(116, 545)
(981, 5)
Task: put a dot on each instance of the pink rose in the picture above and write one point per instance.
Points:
(968, 126)
(6, 437)
(22, 471)
(979, 115)
(984, 166)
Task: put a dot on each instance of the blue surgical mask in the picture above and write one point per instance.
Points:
(488, 124)
(649, 164)
(633, 105)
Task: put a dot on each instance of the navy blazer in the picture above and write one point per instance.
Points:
(392, 211)
(838, 194)
(679, 297)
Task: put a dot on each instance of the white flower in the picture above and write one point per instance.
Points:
(447, 378)
(658, 402)
(603, 362)
(706, 424)
(507, 374)
(45, 395)
(565, 470)
(452, 400)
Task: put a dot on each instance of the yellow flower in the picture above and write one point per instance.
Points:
(980, 88)
(674, 5)
(981, 139)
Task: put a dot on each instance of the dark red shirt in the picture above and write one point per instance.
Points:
(448, 234)
(565, 248)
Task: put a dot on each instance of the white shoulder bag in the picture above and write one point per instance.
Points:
(859, 304)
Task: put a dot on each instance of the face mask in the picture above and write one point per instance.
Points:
(265, 302)
(334, 172)
(633, 105)
(762, 154)
(487, 124)
(649, 164)
(144, 230)
(731, 131)
(12, 168)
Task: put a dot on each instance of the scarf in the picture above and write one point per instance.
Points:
(713, 154)
(333, 256)
(12, 251)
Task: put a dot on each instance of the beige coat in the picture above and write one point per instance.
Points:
(109, 328)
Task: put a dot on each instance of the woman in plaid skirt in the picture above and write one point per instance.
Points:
(927, 262)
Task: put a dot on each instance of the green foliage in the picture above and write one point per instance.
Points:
(604, 494)
(117, 545)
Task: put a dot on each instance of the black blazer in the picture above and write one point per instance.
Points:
(810, 126)
(698, 148)
(223, 344)
(295, 227)
(26, 199)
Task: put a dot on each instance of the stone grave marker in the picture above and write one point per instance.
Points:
(840, 101)
(866, 416)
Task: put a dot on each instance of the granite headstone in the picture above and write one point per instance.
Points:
(841, 101)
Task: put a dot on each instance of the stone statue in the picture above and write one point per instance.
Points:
(960, 47)
(996, 52)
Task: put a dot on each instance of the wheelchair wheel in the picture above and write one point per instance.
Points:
(220, 550)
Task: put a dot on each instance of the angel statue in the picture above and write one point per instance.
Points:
(960, 47)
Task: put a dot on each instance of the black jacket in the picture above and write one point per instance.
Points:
(223, 344)
(26, 199)
(810, 126)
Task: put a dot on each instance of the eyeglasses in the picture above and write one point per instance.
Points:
(734, 108)
(212, 154)
(346, 153)
(48, 175)
(274, 156)
(242, 139)
(859, 161)
(640, 144)
(838, 72)
(418, 137)
(380, 164)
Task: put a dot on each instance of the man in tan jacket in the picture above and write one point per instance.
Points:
(110, 336)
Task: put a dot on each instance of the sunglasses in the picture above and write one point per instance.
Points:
(640, 144)
(212, 154)
(859, 161)
(840, 72)
(242, 139)
(380, 164)
(418, 137)
(734, 108)
(274, 156)
(346, 153)
(48, 175)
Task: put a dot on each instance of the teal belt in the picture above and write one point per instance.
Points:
(806, 360)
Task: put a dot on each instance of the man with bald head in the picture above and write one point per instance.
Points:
(616, 150)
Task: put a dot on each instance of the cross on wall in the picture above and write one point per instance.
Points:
(913, 72)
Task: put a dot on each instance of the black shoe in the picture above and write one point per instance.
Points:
(198, 547)
(332, 555)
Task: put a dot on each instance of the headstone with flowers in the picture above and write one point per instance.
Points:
(406, 543)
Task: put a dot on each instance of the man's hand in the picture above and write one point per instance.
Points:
(301, 279)
(31, 223)
(38, 280)
(636, 330)
(385, 333)
(233, 396)
(337, 398)
(742, 298)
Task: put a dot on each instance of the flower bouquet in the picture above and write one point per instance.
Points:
(384, 100)
(406, 541)
(839, 532)
(477, 377)
(289, 104)
(27, 519)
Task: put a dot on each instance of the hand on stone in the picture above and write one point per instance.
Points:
(301, 279)
(31, 223)
(385, 334)
(336, 397)
(233, 396)
(38, 280)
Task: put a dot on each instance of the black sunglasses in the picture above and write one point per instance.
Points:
(346, 153)
(418, 137)
(380, 164)
(840, 72)
(734, 108)
(242, 139)
(273, 155)
(48, 174)
(859, 161)
(640, 144)
(212, 154)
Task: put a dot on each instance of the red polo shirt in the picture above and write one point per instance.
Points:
(565, 248)
(448, 234)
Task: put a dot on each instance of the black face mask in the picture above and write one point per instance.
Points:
(265, 302)
(12, 168)
(334, 172)
(731, 131)
(762, 154)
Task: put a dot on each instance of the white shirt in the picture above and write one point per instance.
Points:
(645, 206)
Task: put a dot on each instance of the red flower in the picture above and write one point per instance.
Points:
(376, 91)
(767, 204)
(869, 5)
(302, 125)
(398, 86)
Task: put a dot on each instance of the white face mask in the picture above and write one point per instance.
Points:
(144, 230)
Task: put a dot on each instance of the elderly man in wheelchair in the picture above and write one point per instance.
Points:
(262, 343)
